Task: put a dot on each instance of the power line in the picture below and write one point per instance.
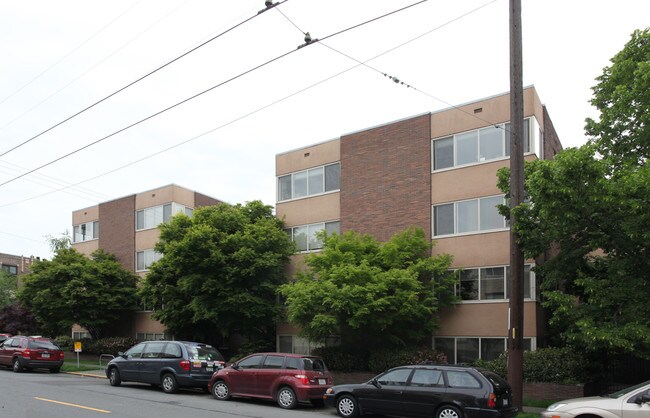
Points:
(140, 79)
(204, 91)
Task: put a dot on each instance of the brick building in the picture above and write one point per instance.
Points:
(435, 171)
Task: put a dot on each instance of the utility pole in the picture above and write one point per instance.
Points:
(516, 326)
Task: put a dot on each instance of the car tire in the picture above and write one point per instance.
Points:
(168, 383)
(449, 411)
(287, 398)
(346, 406)
(114, 377)
(221, 390)
(15, 366)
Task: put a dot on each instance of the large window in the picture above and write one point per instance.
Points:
(9, 269)
(154, 216)
(468, 216)
(144, 259)
(468, 349)
(86, 232)
(492, 283)
(309, 182)
(477, 146)
(306, 238)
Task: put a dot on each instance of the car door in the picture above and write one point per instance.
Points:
(269, 373)
(151, 362)
(424, 392)
(634, 407)
(5, 352)
(387, 395)
(242, 379)
(129, 366)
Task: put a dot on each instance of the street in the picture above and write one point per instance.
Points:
(41, 394)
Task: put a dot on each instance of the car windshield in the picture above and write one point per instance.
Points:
(204, 352)
(315, 364)
(42, 345)
(496, 380)
(625, 391)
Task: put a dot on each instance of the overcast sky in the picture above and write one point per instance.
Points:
(61, 57)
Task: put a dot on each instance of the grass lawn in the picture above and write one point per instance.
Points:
(528, 415)
(70, 365)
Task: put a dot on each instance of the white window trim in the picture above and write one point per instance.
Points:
(533, 285)
(533, 343)
(144, 251)
(277, 183)
(308, 225)
(174, 211)
(459, 234)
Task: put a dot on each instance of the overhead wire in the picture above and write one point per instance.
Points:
(141, 78)
(273, 103)
(204, 91)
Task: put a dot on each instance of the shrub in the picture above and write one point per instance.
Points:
(385, 359)
(343, 359)
(111, 345)
(250, 347)
(64, 342)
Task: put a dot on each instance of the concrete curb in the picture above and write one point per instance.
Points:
(87, 374)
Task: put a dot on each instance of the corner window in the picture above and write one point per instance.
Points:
(491, 283)
(310, 182)
(152, 217)
(86, 231)
(468, 216)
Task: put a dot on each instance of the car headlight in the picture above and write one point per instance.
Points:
(329, 391)
(555, 406)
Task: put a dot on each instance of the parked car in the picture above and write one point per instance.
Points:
(170, 364)
(25, 353)
(633, 402)
(427, 391)
(284, 378)
(4, 336)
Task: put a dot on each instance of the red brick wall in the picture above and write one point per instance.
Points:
(117, 229)
(552, 143)
(552, 391)
(386, 178)
(203, 200)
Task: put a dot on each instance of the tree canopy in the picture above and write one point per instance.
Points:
(371, 292)
(588, 211)
(8, 288)
(219, 272)
(96, 293)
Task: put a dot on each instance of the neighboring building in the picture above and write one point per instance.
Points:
(127, 227)
(16, 264)
(435, 171)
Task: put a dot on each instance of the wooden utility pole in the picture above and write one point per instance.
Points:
(516, 326)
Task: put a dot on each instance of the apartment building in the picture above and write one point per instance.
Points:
(127, 227)
(435, 171)
(16, 264)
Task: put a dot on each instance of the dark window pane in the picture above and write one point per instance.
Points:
(466, 350)
(443, 219)
(491, 348)
(443, 153)
(273, 362)
(286, 345)
(469, 284)
(284, 188)
(447, 346)
(332, 177)
(492, 283)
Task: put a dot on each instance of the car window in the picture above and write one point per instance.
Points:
(273, 362)
(203, 352)
(135, 351)
(314, 363)
(496, 380)
(153, 350)
(397, 377)
(16, 342)
(171, 350)
(252, 362)
(461, 379)
(42, 345)
(427, 378)
(7, 342)
(293, 363)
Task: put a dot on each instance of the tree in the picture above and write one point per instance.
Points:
(8, 288)
(61, 243)
(370, 292)
(219, 272)
(96, 293)
(15, 319)
(588, 211)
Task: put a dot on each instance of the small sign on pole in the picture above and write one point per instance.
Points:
(77, 349)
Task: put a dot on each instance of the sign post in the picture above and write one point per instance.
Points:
(77, 349)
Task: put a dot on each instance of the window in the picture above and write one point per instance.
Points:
(150, 336)
(135, 352)
(250, 362)
(462, 379)
(427, 378)
(310, 182)
(273, 362)
(396, 377)
(86, 231)
(467, 350)
(491, 348)
(153, 350)
(468, 216)
(10, 269)
(491, 283)
(476, 146)
(172, 350)
(144, 259)
(295, 344)
(306, 238)
(152, 217)
(80, 335)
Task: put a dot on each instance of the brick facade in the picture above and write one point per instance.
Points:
(117, 229)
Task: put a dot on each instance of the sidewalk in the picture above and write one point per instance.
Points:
(100, 374)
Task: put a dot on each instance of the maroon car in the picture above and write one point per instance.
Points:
(284, 378)
(24, 353)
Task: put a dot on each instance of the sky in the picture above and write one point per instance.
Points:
(263, 94)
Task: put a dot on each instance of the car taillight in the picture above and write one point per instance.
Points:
(492, 401)
(27, 353)
(61, 355)
(303, 379)
(185, 365)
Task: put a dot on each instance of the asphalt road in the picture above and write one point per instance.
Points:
(38, 394)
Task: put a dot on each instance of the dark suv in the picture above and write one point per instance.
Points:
(284, 378)
(24, 353)
(170, 364)
(440, 391)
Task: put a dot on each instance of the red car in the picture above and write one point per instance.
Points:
(24, 353)
(284, 378)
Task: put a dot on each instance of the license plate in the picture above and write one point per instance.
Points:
(322, 381)
(45, 355)
(505, 402)
(209, 369)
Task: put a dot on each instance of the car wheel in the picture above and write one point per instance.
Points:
(449, 411)
(16, 367)
(114, 377)
(169, 384)
(220, 390)
(287, 398)
(346, 406)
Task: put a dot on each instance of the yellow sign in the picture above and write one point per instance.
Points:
(77, 346)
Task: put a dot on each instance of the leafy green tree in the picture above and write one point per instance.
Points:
(96, 293)
(219, 272)
(588, 211)
(8, 288)
(60, 243)
(370, 292)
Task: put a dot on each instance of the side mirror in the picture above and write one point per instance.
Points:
(121, 354)
(376, 383)
(234, 366)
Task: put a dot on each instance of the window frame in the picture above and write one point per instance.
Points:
(91, 231)
(284, 187)
(155, 257)
(528, 269)
(530, 342)
(456, 218)
(312, 230)
(155, 215)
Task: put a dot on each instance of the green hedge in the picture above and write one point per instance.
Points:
(381, 360)
(550, 365)
(343, 359)
(111, 345)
